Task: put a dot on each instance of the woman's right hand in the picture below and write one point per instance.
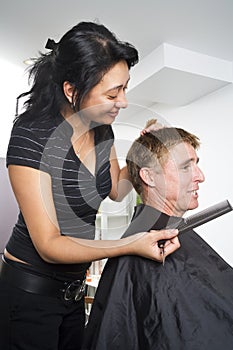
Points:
(146, 243)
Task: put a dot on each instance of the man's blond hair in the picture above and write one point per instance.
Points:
(153, 147)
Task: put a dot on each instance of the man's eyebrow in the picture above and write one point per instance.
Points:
(190, 160)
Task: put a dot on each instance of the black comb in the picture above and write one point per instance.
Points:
(200, 218)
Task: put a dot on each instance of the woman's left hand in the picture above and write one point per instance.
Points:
(151, 127)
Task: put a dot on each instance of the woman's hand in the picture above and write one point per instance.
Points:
(146, 244)
(151, 125)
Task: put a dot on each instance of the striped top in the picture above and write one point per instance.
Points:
(46, 145)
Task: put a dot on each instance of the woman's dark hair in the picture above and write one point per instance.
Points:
(82, 56)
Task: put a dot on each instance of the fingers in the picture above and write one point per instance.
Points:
(143, 132)
(165, 234)
(146, 244)
(171, 243)
(152, 127)
(170, 247)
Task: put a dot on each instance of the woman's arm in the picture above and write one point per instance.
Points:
(121, 184)
(151, 125)
(32, 189)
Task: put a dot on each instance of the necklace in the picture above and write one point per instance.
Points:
(81, 146)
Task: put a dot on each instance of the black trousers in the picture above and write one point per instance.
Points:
(33, 322)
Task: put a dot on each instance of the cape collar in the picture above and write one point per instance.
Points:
(146, 218)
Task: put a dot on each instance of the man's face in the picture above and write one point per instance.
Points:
(177, 182)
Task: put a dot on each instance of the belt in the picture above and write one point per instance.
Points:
(29, 282)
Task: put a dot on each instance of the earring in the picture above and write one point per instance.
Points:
(73, 104)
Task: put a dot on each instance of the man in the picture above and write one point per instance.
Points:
(185, 304)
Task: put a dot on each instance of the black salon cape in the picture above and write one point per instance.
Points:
(187, 304)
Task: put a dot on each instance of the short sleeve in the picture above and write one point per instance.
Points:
(26, 149)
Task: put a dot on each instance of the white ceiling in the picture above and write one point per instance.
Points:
(197, 27)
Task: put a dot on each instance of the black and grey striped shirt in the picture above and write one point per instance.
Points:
(77, 193)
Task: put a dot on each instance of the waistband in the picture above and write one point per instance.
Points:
(32, 283)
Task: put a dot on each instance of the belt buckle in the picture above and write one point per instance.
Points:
(75, 290)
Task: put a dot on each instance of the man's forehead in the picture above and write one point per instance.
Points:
(181, 152)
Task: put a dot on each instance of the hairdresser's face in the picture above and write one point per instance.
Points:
(177, 183)
(103, 103)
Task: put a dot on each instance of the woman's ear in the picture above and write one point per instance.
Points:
(70, 91)
(148, 176)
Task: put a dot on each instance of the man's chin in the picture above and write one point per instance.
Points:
(193, 205)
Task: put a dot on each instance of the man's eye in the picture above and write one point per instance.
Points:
(112, 97)
(186, 167)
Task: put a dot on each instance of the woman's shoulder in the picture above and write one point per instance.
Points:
(28, 140)
(36, 131)
(34, 124)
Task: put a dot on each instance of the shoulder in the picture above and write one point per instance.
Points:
(36, 128)
(27, 141)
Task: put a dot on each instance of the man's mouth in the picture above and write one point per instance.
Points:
(194, 193)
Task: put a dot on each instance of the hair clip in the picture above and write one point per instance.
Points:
(51, 44)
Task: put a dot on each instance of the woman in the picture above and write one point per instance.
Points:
(62, 164)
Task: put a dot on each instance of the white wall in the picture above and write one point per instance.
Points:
(13, 82)
(211, 119)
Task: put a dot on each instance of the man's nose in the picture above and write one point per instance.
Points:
(200, 175)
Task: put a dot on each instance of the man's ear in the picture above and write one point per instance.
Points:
(69, 90)
(147, 175)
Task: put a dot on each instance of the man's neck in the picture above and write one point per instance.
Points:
(162, 206)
